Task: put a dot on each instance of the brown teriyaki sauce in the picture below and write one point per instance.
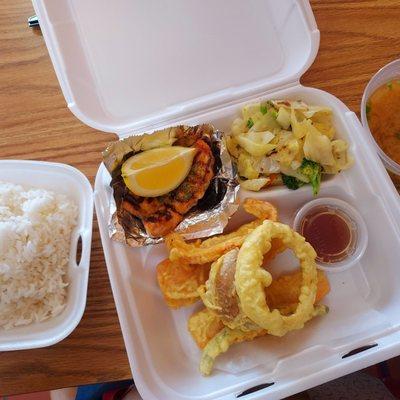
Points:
(331, 232)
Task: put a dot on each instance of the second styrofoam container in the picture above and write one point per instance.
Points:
(59, 178)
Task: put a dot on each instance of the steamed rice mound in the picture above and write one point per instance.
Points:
(35, 236)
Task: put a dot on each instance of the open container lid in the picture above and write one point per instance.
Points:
(126, 65)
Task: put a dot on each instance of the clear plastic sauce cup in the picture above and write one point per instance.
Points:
(336, 230)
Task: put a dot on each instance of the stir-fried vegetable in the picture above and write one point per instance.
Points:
(291, 182)
(312, 171)
(289, 138)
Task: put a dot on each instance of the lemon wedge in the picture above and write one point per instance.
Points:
(155, 172)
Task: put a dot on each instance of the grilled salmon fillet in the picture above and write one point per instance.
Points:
(160, 215)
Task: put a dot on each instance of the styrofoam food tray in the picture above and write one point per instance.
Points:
(363, 301)
(59, 178)
(156, 64)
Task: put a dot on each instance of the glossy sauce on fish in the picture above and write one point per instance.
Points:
(383, 114)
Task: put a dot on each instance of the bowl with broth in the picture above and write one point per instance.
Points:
(380, 114)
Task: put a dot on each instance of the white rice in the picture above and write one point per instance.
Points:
(35, 235)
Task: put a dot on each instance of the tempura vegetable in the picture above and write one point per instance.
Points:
(221, 342)
(242, 298)
(251, 279)
(206, 326)
(203, 326)
(209, 250)
(179, 282)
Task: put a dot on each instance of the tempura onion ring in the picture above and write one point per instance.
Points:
(251, 280)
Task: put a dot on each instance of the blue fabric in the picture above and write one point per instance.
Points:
(95, 392)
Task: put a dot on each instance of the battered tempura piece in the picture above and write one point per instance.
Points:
(221, 342)
(178, 275)
(242, 299)
(179, 282)
(206, 327)
(285, 290)
(251, 279)
(211, 249)
(203, 326)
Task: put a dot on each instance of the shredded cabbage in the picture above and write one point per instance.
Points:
(255, 184)
(318, 148)
(276, 136)
(248, 166)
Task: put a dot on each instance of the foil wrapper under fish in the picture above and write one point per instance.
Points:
(208, 217)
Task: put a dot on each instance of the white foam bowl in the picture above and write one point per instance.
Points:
(59, 178)
(385, 74)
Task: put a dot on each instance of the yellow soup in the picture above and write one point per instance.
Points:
(383, 113)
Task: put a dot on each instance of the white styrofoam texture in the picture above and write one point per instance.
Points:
(59, 178)
(363, 301)
(131, 66)
(126, 64)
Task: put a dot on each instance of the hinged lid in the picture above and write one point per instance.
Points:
(124, 64)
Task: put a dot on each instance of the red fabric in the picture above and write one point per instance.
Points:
(111, 395)
(116, 394)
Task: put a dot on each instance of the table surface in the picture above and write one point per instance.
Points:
(357, 38)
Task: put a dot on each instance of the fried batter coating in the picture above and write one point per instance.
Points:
(210, 333)
(241, 298)
(221, 342)
(179, 303)
(226, 337)
(285, 290)
(283, 296)
(251, 279)
(203, 326)
(211, 249)
(261, 209)
(179, 282)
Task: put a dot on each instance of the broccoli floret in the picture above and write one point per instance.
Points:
(312, 170)
(263, 109)
(250, 123)
(291, 182)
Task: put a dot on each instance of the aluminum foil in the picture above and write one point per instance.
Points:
(201, 220)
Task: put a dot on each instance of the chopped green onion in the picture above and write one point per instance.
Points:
(263, 109)
(390, 85)
(250, 123)
(368, 108)
(274, 114)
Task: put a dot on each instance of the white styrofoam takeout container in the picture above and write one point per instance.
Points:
(134, 66)
(59, 178)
